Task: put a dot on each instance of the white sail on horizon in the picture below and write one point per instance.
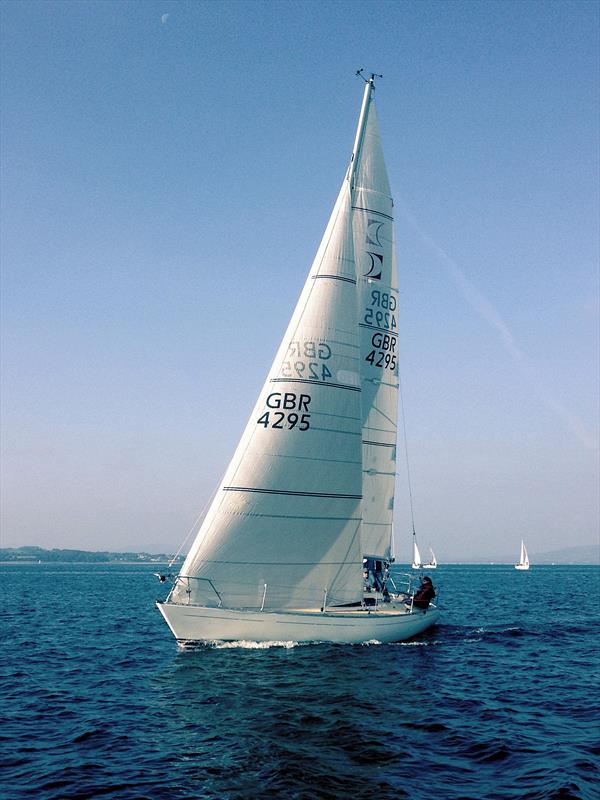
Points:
(417, 562)
(523, 557)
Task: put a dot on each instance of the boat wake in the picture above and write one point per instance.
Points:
(243, 644)
(489, 634)
(422, 643)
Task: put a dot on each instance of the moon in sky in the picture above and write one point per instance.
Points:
(164, 18)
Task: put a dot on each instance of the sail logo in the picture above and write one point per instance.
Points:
(374, 227)
(376, 264)
(373, 239)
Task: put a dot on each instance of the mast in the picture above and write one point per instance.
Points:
(360, 130)
(362, 124)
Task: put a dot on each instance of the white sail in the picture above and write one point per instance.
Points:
(374, 248)
(417, 563)
(287, 514)
(523, 558)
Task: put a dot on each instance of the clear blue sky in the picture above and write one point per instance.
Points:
(167, 172)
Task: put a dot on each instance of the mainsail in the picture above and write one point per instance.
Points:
(309, 491)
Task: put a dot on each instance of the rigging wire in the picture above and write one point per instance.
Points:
(195, 524)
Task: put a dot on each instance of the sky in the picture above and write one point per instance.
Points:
(168, 169)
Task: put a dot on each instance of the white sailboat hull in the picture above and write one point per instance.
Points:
(521, 566)
(190, 623)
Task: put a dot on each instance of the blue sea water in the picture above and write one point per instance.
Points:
(499, 701)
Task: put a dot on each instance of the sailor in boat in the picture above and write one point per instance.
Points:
(424, 594)
(374, 572)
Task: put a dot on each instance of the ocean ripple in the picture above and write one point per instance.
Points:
(498, 702)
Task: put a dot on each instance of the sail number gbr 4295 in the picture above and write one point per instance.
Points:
(380, 314)
(286, 410)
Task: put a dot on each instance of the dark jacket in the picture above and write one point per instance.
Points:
(424, 595)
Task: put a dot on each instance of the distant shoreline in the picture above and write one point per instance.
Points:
(581, 555)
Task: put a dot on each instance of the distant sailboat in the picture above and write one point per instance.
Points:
(417, 561)
(524, 558)
(297, 543)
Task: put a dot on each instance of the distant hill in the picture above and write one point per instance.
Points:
(35, 554)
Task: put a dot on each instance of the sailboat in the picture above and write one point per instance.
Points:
(417, 562)
(523, 558)
(297, 543)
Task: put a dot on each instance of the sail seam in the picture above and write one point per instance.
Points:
(377, 328)
(378, 444)
(337, 430)
(372, 211)
(316, 383)
(312, 458)
(306, 516)
(290, 493)
(335, 278)
(273, 564)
